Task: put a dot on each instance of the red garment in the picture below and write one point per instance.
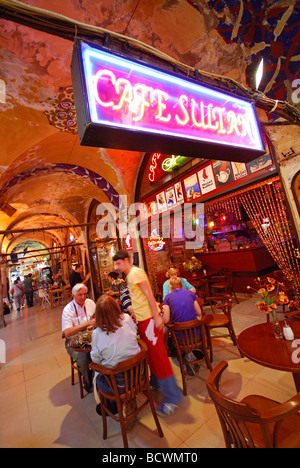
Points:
(158, 359)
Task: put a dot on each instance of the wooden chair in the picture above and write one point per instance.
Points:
(202, 289)
(294, 316)
(255, 421)
(187, 338)
(136, 381)
(44, 298)
(74, 368)
(223, 284)
(220, 318)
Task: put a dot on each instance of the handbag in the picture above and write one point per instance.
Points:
(82, 340)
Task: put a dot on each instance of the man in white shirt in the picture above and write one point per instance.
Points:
(79, 315)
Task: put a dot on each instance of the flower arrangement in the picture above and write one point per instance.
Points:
(271, 296)
(192, 265)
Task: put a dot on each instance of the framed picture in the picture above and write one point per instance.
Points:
(223, 173)
(179, 193)
(161, 202)
(207, 179)
(192, 189)
(170, 197)
(239, 170)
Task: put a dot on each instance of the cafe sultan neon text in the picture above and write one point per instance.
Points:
(127, 94)
(139, 99)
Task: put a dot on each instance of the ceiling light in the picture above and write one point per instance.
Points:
(254, 74)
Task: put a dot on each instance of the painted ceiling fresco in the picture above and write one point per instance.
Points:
(41, 162)
(270, 29)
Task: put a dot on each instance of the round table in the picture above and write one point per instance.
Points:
(258, 343)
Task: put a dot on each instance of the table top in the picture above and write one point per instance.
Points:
(258, 343)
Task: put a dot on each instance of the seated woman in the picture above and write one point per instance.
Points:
(173, 272)
(114, 340)
(181, 305)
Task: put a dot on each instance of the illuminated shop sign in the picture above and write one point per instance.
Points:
(124, 104)
(161, 164)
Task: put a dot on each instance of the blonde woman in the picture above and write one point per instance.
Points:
(174, 273)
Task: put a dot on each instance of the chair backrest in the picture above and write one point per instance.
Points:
(202, 286)
(42, 293)
(294, 316)
(233, 415)
(132, 373)
(243, 425)
(187, 334)
(220, 304)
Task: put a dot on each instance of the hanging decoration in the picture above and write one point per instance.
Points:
(266, 202)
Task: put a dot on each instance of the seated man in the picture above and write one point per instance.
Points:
(79, 315)
(181, 305)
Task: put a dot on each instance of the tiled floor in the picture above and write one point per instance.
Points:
(39, 408)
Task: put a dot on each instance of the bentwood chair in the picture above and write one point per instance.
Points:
(220, 318)
(188, 337)
(74, 368)
(136, 382)
(44, 298)
(223, 284)
(255, 421)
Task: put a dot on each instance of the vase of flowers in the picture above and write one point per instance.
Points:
(192, 266)
(272, 295)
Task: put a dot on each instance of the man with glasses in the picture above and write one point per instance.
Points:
(77, 316)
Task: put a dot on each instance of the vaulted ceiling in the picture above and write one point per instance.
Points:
(46, 177)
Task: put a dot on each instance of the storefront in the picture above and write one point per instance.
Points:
(245, 221)
(101, 251)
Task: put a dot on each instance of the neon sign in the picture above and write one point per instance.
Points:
(156, 243)
(124, 104)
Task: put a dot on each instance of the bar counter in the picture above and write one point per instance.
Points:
(245, 264)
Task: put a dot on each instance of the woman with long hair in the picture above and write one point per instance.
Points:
(114, 339)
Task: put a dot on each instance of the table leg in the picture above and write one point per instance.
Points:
(297, 381)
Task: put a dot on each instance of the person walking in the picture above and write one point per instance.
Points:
(150, 328)
(18, 294)
(28, 285)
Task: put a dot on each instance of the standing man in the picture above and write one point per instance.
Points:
(79, 315)
(77, 276)
(150, 328)
(28, 285)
